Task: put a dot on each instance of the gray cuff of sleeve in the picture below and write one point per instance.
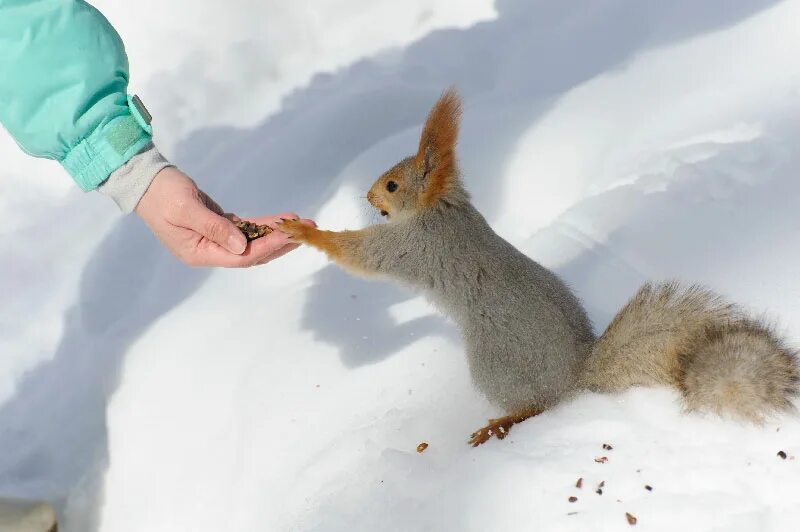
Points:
(129, 182)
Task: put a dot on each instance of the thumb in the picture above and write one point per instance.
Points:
(217, 229)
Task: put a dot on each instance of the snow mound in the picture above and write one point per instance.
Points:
(613, 141)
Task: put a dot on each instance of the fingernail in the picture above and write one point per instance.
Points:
(237, 244)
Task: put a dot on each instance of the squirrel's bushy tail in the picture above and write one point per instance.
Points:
(690, 338)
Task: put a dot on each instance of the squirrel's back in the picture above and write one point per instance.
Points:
(691, 339)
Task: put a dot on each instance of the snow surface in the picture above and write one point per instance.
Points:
(615, 141)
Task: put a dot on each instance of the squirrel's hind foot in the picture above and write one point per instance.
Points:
(500, 427)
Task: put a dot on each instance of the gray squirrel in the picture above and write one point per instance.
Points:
(529, 342)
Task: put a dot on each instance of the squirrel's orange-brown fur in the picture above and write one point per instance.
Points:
(339, 246)
(500, 427)
(436, 153)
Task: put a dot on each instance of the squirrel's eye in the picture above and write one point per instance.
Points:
(391, 186)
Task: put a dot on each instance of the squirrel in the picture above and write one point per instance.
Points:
(529, 342)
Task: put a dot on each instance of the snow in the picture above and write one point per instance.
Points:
(613, 141)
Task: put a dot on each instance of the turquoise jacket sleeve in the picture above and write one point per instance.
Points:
(63, 88)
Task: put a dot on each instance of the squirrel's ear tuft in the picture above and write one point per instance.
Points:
(437, 144)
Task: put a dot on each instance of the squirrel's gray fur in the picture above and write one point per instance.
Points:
(529, 342)
(526, 334)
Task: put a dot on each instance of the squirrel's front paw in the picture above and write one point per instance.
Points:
(296, 229)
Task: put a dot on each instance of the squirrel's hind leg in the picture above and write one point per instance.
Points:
(501, 426)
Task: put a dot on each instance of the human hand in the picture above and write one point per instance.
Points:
(198, 232)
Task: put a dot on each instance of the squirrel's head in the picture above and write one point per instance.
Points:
(422, 180)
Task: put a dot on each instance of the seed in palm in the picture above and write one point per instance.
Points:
(251, 231)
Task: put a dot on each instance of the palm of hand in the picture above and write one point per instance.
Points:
(197, 231)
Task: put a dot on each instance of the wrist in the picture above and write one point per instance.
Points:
(128, 184)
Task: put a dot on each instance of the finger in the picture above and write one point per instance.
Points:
(232, 217)
(263, 247)
(214, 227)
(280, 253)
(258, 250)
(216, 256)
